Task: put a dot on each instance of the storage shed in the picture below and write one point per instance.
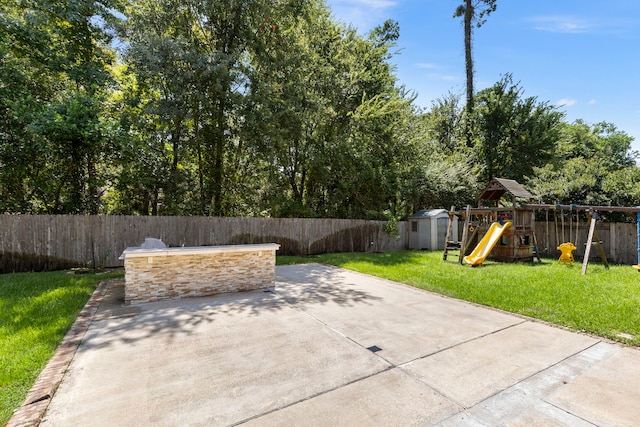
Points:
(428, 229)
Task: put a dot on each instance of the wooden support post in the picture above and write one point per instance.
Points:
(587, 248)
(465, 231)
(592, 232)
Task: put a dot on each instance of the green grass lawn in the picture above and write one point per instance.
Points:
(36, 310)
(602, 302)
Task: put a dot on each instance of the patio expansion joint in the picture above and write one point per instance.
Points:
(313, 396)
(389, 366)
(541, 370)
(537, 396)
(493, 332)
(435, 389)
(569, 413)
(342, 334)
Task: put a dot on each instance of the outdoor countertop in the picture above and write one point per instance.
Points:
(134, 252)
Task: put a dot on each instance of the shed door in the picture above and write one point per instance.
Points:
(425, 234)
(442, 224)
(414, 239)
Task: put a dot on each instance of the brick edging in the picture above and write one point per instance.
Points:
(39, 397)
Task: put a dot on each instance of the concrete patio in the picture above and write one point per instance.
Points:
(328, 346)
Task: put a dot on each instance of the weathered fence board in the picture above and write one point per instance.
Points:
(99, 240)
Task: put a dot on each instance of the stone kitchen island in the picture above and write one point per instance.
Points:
(159, 273)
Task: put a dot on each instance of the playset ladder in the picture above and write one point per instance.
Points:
(450, 245)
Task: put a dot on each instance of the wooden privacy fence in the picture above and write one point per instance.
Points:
(99, 240)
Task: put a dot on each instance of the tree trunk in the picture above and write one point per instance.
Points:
(468, 55)
(196, 127)
(218, 160)
(92, 185)
(468, 22)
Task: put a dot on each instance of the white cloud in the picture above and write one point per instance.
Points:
(561, 24)
(592, 102)
(566, 102)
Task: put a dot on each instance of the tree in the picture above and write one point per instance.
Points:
(472, 12)
(151, 171)
(448, 175)
(18, 88)
(57, 55)
(594, 165)
(196, 58)
(603, 140)
(72, 128)
(325, 113)
(444, 124)
(514, 134)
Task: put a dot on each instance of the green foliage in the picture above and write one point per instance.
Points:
(623, 186)
(448, 175)
(71, 127)
(448, 181)
(36, 310)
(56, 66)
(263, 108)
(329, 121)
(444, 125)
(513, 135)
(593, 166)
(604, 141)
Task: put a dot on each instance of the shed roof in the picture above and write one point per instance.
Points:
(430, 213)
(498, 186)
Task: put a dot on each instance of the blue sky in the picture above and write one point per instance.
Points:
(580, 55)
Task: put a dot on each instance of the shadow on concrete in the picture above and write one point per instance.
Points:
(311, 284)
(297, 286)
(326, 294)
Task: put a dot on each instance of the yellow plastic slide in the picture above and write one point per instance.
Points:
(487, 243)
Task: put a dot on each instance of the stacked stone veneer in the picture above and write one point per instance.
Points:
(158, 274)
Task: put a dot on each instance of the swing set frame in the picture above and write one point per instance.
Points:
(591, 213)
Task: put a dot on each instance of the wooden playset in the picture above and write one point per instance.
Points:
(502, 227)
(513, 240)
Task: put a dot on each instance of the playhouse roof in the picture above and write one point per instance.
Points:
(498, 186)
